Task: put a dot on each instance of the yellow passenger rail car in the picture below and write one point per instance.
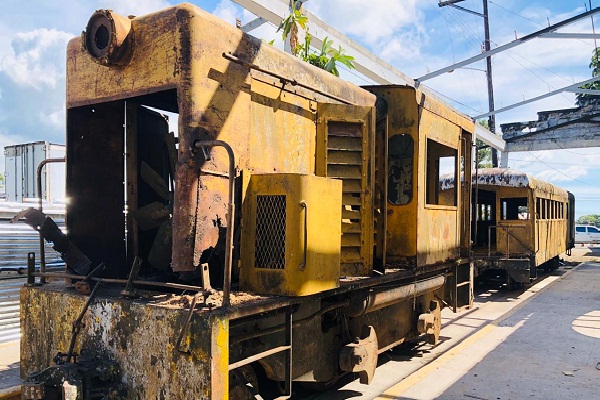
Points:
(521, 223)
(291, 229)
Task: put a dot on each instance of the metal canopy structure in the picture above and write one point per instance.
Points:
(366, 63)
(557, 129)
(574, 88)
(379, 71)
(543, 33)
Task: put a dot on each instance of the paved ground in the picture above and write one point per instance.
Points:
(547, 349)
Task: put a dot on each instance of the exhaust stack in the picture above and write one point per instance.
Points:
(108, 38)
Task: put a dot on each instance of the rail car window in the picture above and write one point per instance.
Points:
(441, 174)
(485, 212)
(542, 208)
(514, 208)
(400, 169)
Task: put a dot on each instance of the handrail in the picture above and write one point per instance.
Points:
(508, 235)
(41, 165)
(202, 144)
(305, 207)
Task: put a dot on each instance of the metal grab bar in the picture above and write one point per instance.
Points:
(41, 165)
(305, 207)
(202, 144)
(508, 235)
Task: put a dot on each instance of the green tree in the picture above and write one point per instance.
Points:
(583, 99)
(289, 26)
(593, 219)
(327, 59)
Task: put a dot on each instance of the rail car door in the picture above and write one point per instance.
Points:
(345, 146)
(484, 216)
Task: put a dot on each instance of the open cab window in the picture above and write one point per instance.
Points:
(441, 174)
(514, 208)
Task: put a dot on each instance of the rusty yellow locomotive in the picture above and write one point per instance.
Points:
(292, 228)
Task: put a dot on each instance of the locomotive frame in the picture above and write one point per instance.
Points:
(184, 217)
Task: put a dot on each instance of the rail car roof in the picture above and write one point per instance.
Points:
(507, 178)
(513, 178)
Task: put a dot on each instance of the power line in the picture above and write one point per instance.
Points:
(453, 100)
(514, 13)
(561, 172)
(554, 163)
(510, 54)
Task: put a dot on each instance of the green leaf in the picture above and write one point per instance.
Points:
(301, 20)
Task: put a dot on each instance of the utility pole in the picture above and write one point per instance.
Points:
(488, 71)
(490, 84)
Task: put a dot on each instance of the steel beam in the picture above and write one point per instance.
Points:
(557, 129)
(559, 139)
(489, 138)
(366, 62)
(556, 35)
(569, 88)
(508, 46)
(255, 23)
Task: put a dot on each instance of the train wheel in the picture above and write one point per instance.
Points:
(511, 284)
(243, 383)
(433, 335)
(555, 263)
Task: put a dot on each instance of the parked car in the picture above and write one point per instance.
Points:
(587, 234)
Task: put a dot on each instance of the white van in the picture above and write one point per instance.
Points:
(587, 234)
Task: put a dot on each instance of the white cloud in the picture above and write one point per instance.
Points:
(568, 174)
(372, 20)
(227, 11)
(55, 118)
(37, 59)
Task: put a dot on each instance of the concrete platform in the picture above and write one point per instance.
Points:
(10, 382)
(548, 348)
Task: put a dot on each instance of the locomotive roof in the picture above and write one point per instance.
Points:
(513, 178)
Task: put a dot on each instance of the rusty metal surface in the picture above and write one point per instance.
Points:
(181, 48)
(430, 233)
(361, 356)
(140, 336)
(272, 126)
(108, 38)
(512, 178)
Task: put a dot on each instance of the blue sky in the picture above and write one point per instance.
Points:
(416, 36)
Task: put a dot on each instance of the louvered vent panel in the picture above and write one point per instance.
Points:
(345, 162)
(269, 251)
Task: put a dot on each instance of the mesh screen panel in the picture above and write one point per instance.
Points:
(269, 251)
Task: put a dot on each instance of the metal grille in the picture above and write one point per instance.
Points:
(269, 251)
(345, 162)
